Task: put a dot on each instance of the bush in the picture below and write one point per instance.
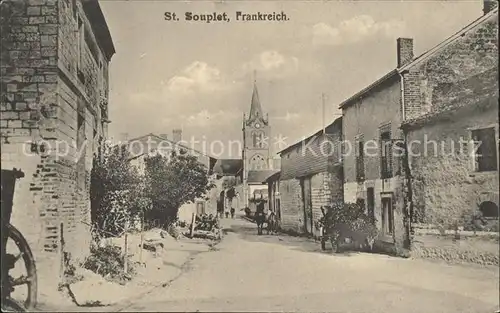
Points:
(108, 262)
(207, 223)
(347, 220)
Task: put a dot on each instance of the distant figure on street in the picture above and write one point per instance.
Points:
(227, 214)
(232, 212)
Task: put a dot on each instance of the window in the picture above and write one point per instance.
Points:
(360, 160)
(387, 216)
(485, 150)
(489, 209)
(257, 163)
(258, 139)
(386, 155)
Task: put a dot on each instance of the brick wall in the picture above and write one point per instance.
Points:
(292, 213)
(475, 51)
(41, 96)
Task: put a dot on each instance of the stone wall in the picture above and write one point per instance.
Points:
(445, 185)
(473, 52)
(40, 132)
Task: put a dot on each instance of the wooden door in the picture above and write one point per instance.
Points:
(307, 204)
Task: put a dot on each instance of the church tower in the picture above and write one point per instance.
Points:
(256, 141)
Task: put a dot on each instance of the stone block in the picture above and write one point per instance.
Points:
(21, 106)
(30, 29)
(51, 19)
(34, 10)
(24, 116)
(36, 2)
(15, 124)
(11, 87)
(10, 115)
(48, 29)
(51, 78)
(49, 10)
(34, 54)
(32, 36)
(3, 124)
(37, 20)
(29, 123)
(49, 51)
(18, 37)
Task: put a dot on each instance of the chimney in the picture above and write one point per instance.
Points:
(177, 135)
(405, 51)
(489, 5)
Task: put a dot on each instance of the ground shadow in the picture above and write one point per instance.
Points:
(248, 232)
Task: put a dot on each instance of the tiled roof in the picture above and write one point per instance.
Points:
(258, 177)
(228, 166)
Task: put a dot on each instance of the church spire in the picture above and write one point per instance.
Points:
(255, 108)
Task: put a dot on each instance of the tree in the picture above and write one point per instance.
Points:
(173, 181)
(116, 191)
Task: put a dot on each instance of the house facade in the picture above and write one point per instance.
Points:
(372, 167)
(145, 146)
(451, 127)
(311, 176)
(54, 113)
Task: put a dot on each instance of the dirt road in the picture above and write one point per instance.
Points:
(282, 273)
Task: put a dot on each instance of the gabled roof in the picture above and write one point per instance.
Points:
(258, 177)
(228, 167)
(449, 40)
(272, 177)
(330, 129)
(393, 73)
(139, 145)
(387, 77)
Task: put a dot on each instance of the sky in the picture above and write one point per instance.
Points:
(199, 76)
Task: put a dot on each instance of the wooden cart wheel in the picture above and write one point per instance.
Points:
(29, 276)
(10, 305)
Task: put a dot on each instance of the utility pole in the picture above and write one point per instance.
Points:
(323, 110)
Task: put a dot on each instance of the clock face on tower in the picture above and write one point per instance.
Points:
(257, 125)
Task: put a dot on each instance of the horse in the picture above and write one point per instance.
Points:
(260, 219)
(272, 223)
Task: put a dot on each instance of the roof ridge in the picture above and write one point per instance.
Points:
(450, 39)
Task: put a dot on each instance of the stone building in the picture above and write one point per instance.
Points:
(54, 112)
(142, 147)
(311, 176)
(423, 94)
(451, 99)
(371, 128)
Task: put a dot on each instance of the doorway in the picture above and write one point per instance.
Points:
(370, 205)
(307, 204)
(387, 216)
